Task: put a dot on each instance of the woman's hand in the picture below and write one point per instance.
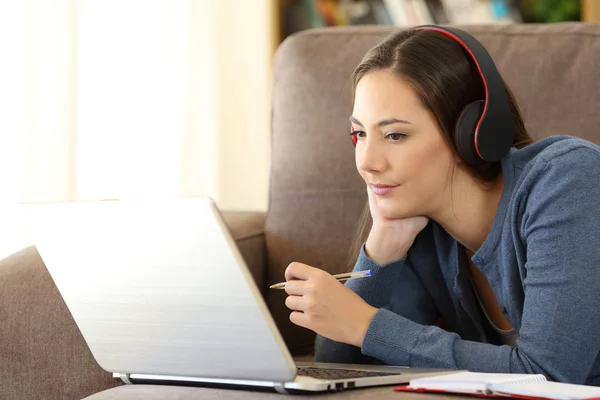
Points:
(390, 239)
(324, 305)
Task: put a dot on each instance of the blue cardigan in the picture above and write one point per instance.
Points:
(541, 258)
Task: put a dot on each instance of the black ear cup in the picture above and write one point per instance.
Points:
(485, 129)
(465, 132)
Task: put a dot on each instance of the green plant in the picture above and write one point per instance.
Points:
(550, 10)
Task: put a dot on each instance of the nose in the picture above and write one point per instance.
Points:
(369, 155)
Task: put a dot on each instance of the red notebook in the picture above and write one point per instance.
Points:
(518, 386)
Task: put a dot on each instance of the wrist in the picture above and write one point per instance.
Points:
(382, 254)
(363, 327)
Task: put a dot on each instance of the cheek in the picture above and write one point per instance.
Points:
(425, 174)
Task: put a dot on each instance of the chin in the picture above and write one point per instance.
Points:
(395, 207)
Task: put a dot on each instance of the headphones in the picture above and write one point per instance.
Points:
(484, 130)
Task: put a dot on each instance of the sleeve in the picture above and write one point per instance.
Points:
(559, 334)
(394, 286)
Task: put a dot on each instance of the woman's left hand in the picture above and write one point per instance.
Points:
(324, 305)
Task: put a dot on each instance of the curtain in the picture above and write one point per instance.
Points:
(132, 99)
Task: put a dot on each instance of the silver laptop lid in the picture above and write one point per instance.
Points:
(159, 287)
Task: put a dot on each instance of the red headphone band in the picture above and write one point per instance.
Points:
(464, 46)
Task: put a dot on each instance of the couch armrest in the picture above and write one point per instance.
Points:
(247, 229)
(42, 352)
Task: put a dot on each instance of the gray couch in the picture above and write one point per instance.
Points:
(315, 197)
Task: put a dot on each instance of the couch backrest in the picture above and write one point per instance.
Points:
(316, 194)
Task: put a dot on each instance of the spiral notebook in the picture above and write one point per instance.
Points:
(523, 386)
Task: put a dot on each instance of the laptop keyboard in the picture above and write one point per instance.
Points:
(331, 373)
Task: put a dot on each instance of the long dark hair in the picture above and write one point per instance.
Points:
(445, 79)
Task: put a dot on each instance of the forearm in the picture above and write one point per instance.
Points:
(327, 350)
(399, 341)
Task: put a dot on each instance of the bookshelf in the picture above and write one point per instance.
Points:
(294, 15)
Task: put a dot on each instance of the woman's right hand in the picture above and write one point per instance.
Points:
(390, 239)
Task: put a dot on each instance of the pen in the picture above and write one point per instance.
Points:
(339, 277)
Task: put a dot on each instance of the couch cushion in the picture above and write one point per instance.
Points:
(316, 193)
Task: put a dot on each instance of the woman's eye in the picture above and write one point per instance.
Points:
(360, 134)
(395, 136)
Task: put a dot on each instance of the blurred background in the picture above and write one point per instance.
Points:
(303, 14)
(168, 98)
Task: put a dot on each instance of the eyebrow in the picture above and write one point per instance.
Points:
(383, 122)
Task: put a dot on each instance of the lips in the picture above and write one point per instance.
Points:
(382, 190)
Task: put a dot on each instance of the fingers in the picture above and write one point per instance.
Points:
(295, 303)
(295, 288)
(300, 319)
(298, 270)
(301, 281)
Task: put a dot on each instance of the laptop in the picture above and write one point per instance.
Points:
(162, 295)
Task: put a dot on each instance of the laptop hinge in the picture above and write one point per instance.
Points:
(123, 377)
(278, 386)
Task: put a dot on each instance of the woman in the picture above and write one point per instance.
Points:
(493, 267)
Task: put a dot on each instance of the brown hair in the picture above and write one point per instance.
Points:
(445, 79)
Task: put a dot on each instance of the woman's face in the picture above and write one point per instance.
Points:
(400, 153)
